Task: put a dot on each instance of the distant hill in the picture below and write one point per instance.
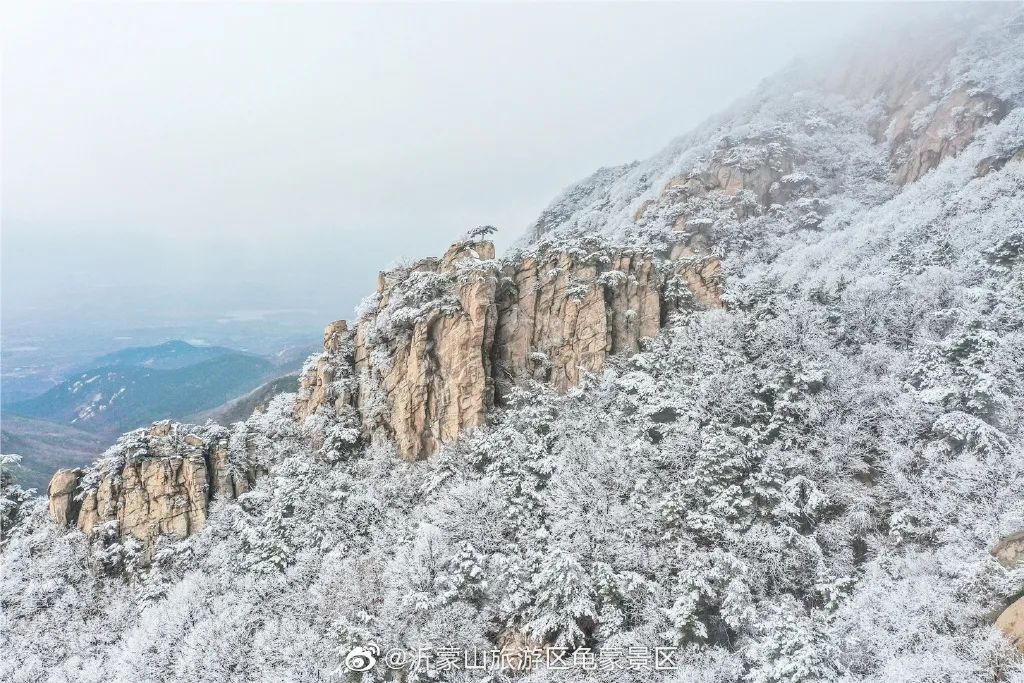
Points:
(133, 387)
(170, 355)
(46, 447)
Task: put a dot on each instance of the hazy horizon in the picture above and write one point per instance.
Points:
(168, 161)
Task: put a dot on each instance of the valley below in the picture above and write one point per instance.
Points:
(78, 418)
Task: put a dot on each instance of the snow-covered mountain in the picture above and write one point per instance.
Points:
(746, 411)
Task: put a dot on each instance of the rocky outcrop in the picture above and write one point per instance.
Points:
(423, 356)
(1011, 624)
(757, 166)
(61, 496)
(324, 380)
(743, 178)
(443, 340)
(924, 131)
(1009, 552)
(154, 482)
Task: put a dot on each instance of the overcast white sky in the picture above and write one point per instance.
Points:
(267, 155)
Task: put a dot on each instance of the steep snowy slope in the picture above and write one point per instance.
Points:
(821, 137)
(600, 446)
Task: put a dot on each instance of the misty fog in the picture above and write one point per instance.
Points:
(186, 161)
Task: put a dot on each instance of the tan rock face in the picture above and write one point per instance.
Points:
(1011, 623)
(325, 381)
(155, 482)
(422, 357)
(154, 497)
(924, 132)
(445, 338)
(1009, 552)
(560, 312)
(756, 168)
(61, 495)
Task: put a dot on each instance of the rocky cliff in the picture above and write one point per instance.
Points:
(443, 340)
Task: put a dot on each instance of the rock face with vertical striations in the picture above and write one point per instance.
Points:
(324, 380)
(422, 356)
(443, 340)
(155, 482)
(564, 311)
(61, 496)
